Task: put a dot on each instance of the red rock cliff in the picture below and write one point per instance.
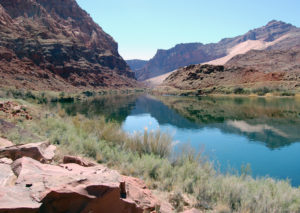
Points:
(58, 44)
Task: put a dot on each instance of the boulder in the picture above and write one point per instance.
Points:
(71, 188)
(137, 191)
(42, 151)
(77, 160)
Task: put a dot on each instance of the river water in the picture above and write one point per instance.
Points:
(231, 131)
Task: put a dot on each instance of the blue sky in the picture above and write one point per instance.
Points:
(142, 26)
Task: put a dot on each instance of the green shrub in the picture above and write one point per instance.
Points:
(89, 93)
(238, 90)
(286, 93)
(261, 91)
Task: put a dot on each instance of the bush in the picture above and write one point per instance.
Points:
(238, 90)
(89, 93)
(287, 93)
(261, 91)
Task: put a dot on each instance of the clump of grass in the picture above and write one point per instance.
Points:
(151, 142)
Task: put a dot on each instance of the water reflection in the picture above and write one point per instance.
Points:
(274, 121)
(234, 131)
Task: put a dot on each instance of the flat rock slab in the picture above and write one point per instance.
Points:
(17, 200)
(42, 151)
(71, 188)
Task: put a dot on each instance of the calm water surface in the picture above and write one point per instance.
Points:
(262, 132)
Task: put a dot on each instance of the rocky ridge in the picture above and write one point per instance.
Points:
(284, 74)
(56, 45)
(276, 35)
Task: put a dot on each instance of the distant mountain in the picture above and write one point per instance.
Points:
(54, 44)
(276, 69)
(276, 35)
(136, 64)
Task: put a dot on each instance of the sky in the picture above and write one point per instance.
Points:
(140, 27)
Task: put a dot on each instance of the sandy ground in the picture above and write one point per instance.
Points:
(158, 79)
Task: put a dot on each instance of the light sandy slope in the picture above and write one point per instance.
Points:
(243, 48)
(240, 48)
(158, 79)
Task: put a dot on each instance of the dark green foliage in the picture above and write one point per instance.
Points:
(261, 91)
(238, 90)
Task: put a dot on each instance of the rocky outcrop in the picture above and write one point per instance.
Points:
(56, 45)
(200, 77)
(43, 151)
(71, 188)
(285, 35)
(28, 186)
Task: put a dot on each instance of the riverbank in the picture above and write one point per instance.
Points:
(185, 180)
(228, 91)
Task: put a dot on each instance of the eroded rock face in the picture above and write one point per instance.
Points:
(58, 44)
(42, 151)
(30, 186)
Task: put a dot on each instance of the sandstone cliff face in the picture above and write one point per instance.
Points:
(194, 53)
(57, 43)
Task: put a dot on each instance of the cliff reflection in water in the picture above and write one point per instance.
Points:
(274, 122)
